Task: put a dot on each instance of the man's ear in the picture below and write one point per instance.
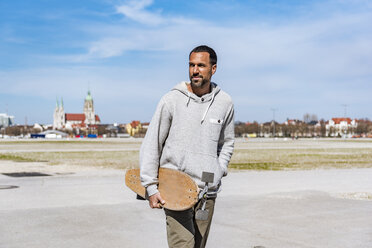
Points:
(214, 68)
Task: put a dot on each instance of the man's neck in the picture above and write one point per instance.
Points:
(199, 91)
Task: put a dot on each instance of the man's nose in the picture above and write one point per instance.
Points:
(196, 70)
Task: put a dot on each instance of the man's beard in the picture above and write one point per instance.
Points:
(199, 84)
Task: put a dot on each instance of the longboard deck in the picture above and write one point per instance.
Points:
(179, 190)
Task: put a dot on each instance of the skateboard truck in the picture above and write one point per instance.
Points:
(202, 213)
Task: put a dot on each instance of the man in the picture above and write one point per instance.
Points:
(192, 130)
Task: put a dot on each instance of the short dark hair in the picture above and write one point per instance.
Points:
(204, 48)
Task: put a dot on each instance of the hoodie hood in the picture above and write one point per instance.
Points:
(206, 98)
(182, 87)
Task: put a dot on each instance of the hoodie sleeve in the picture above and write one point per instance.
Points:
(152, 147)
(226, 141)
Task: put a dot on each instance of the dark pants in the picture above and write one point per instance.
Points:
(183, 230)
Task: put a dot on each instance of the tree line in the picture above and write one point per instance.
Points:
(300, 129)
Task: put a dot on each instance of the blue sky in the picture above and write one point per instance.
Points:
(295, 56)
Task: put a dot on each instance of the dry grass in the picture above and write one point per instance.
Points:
(111, 159)
(251, 155)
(283, 159)
(15, 157)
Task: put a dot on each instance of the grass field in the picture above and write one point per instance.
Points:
(253, 154)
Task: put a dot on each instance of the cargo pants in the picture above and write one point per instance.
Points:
(183, 230)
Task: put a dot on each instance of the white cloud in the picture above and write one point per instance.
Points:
(318, 48)
(135, 10)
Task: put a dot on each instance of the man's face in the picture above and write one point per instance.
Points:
(200, 69)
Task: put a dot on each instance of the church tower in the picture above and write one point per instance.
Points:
(59, 115)
(62, 115)
(89, 110)
(55, 115)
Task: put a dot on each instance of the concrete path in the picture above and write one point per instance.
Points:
(317, 208)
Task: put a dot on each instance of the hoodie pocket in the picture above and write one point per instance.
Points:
(220, 173)
(214, 128)
(196, 163)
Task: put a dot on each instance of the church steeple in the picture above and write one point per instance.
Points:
(59, 115)
(89, 97)
(90, 117)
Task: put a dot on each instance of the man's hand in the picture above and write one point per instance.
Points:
(156, 201)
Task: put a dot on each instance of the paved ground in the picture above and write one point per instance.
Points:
(92, 208)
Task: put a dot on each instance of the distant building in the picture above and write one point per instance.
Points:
(80, 120)
(69, 120)
(145, 125)
(340, 126)
(6, 120)
(292, 122)
(133, 128)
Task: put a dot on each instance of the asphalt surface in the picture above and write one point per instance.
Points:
(315, 208)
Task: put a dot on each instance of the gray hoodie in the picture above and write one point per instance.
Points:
(191, 134)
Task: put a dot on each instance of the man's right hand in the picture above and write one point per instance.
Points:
(156, 201)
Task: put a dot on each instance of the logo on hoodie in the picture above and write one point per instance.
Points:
(216, 121)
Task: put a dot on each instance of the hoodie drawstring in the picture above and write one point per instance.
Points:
(189, 96)
(206, 111)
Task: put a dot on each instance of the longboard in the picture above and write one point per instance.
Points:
(178, 190)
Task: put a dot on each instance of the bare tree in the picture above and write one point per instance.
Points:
(307, 118)
(314, 118)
